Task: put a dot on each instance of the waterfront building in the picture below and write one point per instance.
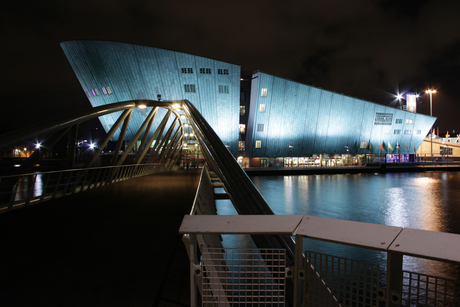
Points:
(267, 121)
(111, 72)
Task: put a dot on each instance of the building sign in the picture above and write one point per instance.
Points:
(411, 103)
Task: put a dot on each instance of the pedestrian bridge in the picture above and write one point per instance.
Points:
(286, 274)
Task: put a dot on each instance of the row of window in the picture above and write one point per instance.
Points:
(223, 89)
(191, 88)
(260, 128)
(105, 90)
(386, 119)
(380, 118)
(406, 131)
(205, 71)
(258, 144)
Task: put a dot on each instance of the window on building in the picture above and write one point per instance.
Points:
(258, 144)
(187, 70)
(260, 127)
(103, 90)
(386, 131)
(383, 118)
(242, 128)
(397, 131)
(109, 91)
(189, 88)
(398, 121)
(444, 150)
(264, 92)
(241, 146)
(205, 71)
(363, 145)
(407, 131)
(221, 71)
(242, 110)
(262, 107)
(409, 121)
(223, 89)
(242, 96)
(95, 92)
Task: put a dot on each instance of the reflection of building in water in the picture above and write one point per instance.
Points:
(265, 121)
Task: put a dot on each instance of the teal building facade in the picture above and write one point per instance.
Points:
(265, 118)
(111, 72)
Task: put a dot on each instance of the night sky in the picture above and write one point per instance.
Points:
(365, 49)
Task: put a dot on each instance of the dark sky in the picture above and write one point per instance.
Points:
(367, 49)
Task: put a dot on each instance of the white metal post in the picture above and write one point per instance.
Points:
(394, 279)
(193, 260)
(299, 273)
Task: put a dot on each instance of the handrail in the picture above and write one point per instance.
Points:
(21, 190)
(396, 242)
(241, 190)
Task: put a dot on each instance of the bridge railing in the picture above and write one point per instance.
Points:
(18, 191)
(252, 275)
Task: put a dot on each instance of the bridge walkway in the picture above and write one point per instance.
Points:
(117, 245)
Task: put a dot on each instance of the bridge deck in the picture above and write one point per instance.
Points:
(112, 246)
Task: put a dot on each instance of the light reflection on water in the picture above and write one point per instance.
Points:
(427, 201)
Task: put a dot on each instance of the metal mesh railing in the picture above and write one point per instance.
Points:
(243, 277)
(425, 290)
(23, 190)
(337, 281)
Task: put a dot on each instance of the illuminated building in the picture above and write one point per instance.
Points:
(280, 122)
(111, 72)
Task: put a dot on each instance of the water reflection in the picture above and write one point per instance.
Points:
(29, 186)
(427, 201)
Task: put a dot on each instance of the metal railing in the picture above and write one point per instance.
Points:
(319, 279)
(18, 191)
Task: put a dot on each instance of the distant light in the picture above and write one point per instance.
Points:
(176, 106)
(417, 95)
(37, 145)
(430, 91)
(17, 165)
(91, 146)
(399, 96)
(142, 106)
(185, 134)
(186, 125)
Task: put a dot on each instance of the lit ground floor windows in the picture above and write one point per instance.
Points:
(330, 160)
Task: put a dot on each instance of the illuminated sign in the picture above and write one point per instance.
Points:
(411, 103)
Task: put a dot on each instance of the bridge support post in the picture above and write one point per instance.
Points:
(71, 146)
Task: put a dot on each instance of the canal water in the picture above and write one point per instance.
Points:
(427, 201)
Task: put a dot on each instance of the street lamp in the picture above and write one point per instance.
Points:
(431, 92)
(291, 149)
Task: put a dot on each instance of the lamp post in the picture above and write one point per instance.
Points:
(431, 92)
(347, 150)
